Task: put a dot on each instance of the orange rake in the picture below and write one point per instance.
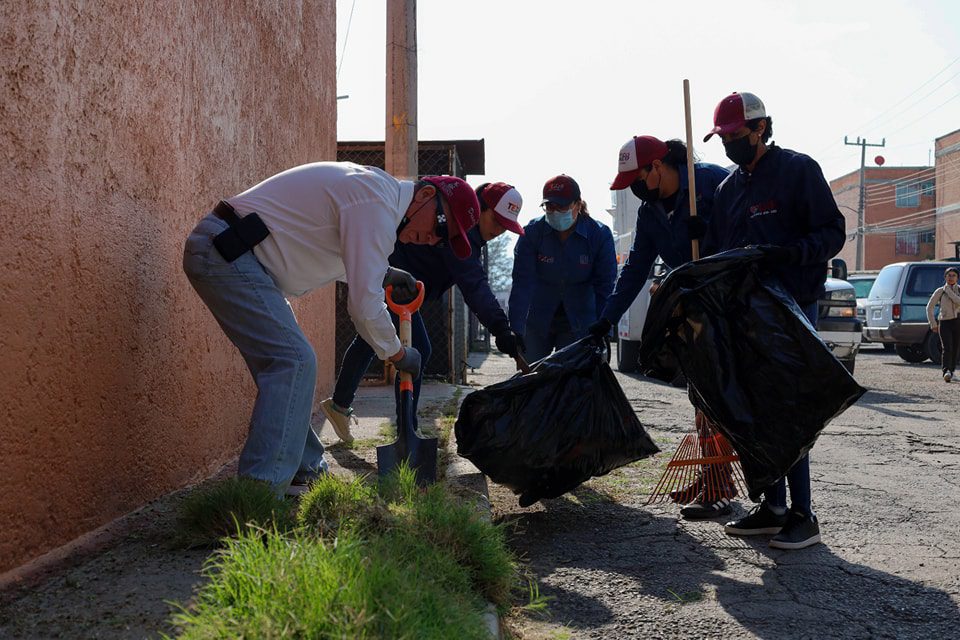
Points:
(705, 460)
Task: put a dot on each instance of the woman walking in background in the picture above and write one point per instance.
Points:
(948, 297)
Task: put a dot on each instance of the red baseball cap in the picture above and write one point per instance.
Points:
(561, 190)
(464, 210)
(734, 111)
(505, 201)
(636, 154)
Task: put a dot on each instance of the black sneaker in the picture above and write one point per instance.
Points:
(801, 531)
(704, 508)
(688, 493)
(761, 520)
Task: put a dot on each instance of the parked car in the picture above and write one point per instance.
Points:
(837, 322)
(838, 325)
(896, 308)
(862, 282)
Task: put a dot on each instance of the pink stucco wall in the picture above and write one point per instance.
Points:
(121, 123)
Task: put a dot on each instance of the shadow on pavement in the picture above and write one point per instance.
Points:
(347, 459)
(619, 563)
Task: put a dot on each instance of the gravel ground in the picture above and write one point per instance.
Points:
(885, 484)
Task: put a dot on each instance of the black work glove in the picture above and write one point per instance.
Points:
(600, 328)
(409, 362)
(404, 285)
(696, 227)
(775, 256)
(510, 343)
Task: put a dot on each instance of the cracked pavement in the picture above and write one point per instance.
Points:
(885, 488)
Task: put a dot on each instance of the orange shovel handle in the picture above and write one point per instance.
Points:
(405, 311)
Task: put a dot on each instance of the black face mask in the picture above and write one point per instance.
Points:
(740, 151)
(642, 191)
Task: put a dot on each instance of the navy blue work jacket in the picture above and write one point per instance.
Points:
(658, 234)
(439, 269)
(786, 202)
(578, 273)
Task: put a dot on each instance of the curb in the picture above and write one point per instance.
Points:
(466, 480)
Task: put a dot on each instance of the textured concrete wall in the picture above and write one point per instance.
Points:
(121, 123)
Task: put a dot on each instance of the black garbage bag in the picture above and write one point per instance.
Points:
(545, 432)
(754, 364)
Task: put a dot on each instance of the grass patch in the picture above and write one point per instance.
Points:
(687, 597)
(393, 561)
(227, 507)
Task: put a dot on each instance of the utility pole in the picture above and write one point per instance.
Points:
(400, 143)
(863, 159)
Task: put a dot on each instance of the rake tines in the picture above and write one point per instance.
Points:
(704, 462)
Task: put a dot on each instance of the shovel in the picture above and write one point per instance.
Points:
(420, 454)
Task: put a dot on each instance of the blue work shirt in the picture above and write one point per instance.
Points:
(578, 273)
(786, 202)
(659, 234)
(439, 269)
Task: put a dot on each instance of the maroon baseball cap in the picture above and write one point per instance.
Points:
(505, 201)
(636, 154)
(561, 190)
(464, 210)
(734, 111)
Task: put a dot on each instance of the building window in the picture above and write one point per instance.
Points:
(927, 188)
(908, 243)
(928, 237)
(908, 195)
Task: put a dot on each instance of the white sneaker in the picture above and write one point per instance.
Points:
(339, 420)
(296, 490)
(947, 376)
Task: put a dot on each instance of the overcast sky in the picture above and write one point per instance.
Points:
(558, 86)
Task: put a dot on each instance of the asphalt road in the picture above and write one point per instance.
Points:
(886, 484)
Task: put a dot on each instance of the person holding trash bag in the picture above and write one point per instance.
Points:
(422, 249)
(564, 268)
(295, 231)
(948, 297)
(656, 172)
(778, 200)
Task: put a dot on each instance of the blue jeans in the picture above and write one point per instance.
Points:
(539, 344)
(257, 318)
(799, 474)
(359, 355)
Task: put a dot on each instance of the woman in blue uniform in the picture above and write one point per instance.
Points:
(564, 268)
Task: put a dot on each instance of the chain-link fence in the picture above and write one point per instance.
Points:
(448, 320)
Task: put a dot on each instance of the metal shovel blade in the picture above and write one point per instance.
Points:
(420, 454)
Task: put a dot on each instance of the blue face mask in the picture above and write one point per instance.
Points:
(560, 220)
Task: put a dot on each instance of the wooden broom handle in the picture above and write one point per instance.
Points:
(691, 176)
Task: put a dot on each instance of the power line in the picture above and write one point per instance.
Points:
(888, 198)
(927, 95)
(909, 95)
(894, 106)
(944, 103)
(346, 36)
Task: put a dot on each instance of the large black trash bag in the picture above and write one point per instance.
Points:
(754, 364)
(544, 433)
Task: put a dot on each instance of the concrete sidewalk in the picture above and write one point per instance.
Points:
(375, 410)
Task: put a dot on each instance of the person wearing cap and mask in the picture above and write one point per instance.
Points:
(423, 250)
(656, 172)
(564, 268)
(778, 201)
(296, 231)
